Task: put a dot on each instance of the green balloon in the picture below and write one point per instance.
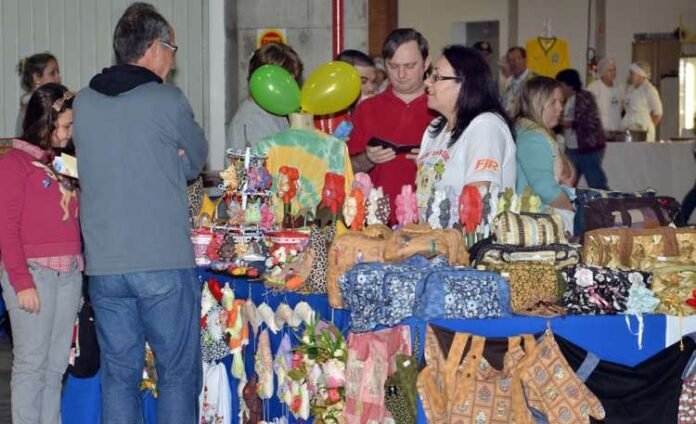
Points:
(275, 90)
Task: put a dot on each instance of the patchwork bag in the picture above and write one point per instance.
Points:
(534, 288)
(488, 254)
(632, 212)
(349, 249)
(529, 230)
(583, 196)
(462, 293)
(362, 289)
(594, 290)
(628, 248)
(421, 240)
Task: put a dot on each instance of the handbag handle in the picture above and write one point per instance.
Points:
(669, 242)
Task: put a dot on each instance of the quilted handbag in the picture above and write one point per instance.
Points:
(674, 283)
(629, 248)
(594, 290)
(462, 293)
(349, 249)
(488, 254)
(534, 288)
(529, 230)
(422, 240)
(364, 292)
(632, 212)
(585, 195)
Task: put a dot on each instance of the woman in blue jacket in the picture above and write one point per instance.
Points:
(541, 164)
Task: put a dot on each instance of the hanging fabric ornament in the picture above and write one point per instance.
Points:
(333, 193)
(354, 210)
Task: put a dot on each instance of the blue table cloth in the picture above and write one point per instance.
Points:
(606, 336)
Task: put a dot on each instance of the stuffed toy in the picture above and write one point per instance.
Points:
(377, 207)
(229, 179)
(470, 208)
(438, 211)
(363, 182)
(406, 206)
(354, 210)
(333, 193)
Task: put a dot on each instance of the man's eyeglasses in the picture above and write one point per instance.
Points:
(170, 46)
(434, 77)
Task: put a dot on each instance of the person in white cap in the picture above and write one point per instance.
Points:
(608, 95)
(642, 104)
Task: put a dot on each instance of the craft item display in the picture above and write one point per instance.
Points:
(377, 207)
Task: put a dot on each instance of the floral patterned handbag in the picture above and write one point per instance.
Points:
(534, 288)
(594, 290)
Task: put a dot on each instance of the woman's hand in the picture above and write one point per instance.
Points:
(413, 154)
(29, 300)
(378, 154)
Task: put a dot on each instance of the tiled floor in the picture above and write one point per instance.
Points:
(5, 367)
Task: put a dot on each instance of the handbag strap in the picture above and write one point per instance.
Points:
(668, 236)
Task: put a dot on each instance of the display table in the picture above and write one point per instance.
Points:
(669, 168)
(607, 336)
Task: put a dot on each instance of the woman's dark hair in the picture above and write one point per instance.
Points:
(139, 26)
(277, 54)
(571, 78)
(33, 65)
(401, 36)
(478, 93)
(43, 110)
(355, 58)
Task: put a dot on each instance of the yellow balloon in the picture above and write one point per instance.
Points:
(330, 88)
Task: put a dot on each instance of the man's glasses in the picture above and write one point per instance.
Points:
(434, 77)
(170, 46)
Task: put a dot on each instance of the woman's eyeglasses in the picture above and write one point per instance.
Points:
(434, 77)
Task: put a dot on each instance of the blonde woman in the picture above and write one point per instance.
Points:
(541, 164)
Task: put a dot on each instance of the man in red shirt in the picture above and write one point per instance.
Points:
(398, 116)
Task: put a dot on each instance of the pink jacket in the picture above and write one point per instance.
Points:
(38, 217)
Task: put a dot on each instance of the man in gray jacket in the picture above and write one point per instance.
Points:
(137, 144)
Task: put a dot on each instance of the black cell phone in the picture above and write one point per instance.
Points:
(398, 148)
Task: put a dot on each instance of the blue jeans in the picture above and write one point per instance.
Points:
(589, 165)
(162, 308)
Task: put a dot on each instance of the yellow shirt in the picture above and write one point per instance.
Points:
(547, 56)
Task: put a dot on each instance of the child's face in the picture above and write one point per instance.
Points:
(368, 79)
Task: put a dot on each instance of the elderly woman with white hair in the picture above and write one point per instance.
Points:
(642, 104)
(608, 95)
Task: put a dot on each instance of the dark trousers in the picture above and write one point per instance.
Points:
(589, 165)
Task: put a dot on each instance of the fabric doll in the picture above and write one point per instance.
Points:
(377, 207)
(288, 184)
(438, 210)
(333, 193)
(363, 182)
(406, 206)
(354, 210)
(229, 179)
(252, 216)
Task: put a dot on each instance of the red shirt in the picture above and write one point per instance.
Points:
(37, 218)
(388, 117)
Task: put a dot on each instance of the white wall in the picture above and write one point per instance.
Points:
(434, 19)
(308, 25)
(568, 20)
(78, 33)
(628, 17)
